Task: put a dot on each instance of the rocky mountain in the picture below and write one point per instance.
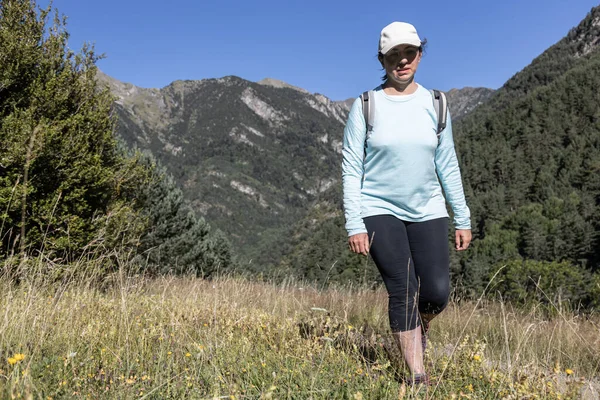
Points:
(346, 104)
(276, 83)
(463, 101)
(251, 157)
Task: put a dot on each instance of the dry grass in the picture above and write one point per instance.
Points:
(232, 338)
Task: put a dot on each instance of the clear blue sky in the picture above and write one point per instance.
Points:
(324, 46)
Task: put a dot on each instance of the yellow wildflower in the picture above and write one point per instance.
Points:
(477, 357)
(569, 371)
(12, 361)
(188, 355)
(19, 357)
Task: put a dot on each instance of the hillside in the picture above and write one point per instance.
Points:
(577, 45)
(463, 101)
(250, 157)
(261, 162)
(531, 161)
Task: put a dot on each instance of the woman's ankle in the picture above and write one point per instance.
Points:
(410, 346)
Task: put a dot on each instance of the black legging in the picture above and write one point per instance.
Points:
(414, 262)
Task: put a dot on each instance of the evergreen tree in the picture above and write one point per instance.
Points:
(61, 175)
(66, 187)
(176, 241)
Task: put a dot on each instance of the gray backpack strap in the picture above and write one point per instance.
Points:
(440, 105)
(368, 104)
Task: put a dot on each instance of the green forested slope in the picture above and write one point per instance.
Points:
(552, 63)
(530, 158)
(532, 173)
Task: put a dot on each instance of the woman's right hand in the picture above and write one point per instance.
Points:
(359, 243)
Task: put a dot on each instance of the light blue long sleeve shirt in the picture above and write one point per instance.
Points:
(401, 172)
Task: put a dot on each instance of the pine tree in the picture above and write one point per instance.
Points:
(176, 241)
(61, 176)
(66, 186)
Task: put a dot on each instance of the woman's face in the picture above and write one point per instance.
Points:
(401, 62)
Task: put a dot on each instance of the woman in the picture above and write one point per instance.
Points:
(393, 202)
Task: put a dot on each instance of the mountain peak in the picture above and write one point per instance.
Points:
(463, 101)
(587, 34)
(122, 90)
(279, 84)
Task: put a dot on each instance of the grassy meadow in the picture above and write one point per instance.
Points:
(230, 338)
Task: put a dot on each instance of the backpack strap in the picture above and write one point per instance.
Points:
(368, 105)
(440, 105)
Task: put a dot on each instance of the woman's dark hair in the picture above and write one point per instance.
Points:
(380, 56)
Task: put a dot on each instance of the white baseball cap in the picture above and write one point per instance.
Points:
(398, 33)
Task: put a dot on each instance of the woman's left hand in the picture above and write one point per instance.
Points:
(463, 239)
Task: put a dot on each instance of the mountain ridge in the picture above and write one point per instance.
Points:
(250, 157)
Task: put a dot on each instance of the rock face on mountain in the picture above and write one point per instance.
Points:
(346, 104)
(251, 157)
(276, 83)
(463, 101)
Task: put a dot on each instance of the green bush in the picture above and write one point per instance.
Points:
(526, 282)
